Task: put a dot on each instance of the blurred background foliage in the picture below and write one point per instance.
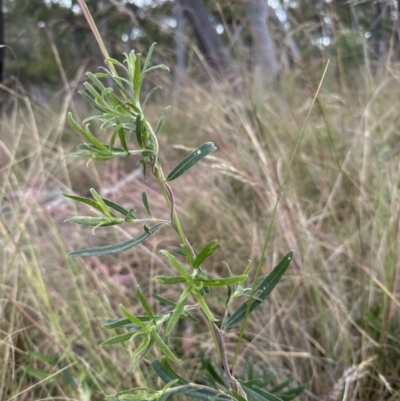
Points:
(349, 32)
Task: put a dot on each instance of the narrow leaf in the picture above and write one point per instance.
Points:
(148, 96)
(205, 252)
(116, 207)
(90, 221)
(222, 282)
(126, 323)
(191, 160)
(169, 369)
(122, 139)
(259, 395)
(136, 78)
(141, 348)
(81, 199)
(115, 248)
(148, 57)
(294, 392)
(100, 202)
(281, 385)
(170, 279)
(145, 304)
(161, 120)
(164, 347)
(177, 250)
(204, 307)
(93, 102)
(177, 311)
(146, 203)
(139, 136)
(132, 318)
(174, 261)
(156, 67)
(86, 133)
(265, 289)
(188, 254)
(114, 323)
(117, 339)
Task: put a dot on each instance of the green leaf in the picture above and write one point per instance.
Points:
(96, 95)
(117, 207)
(204, 393)
(146, 203)
(94, 204)
(216, 376)
(141, 348)
(114, 323)
(145, 304)
(204, 306)
(148, 96)
(173, 304)
(188, 254)
(163, 300)
(205, 252)
(161, 120)
(191, 160)
(148, 57)
(132, 318)
(136, 79)
(265, 289)
(294, 392)
(237, 396)
(170, 370)
(93, 102)
(258, 394)
(139, 135)
(156, 67)
(86, 133)
(177, 311)
(221, 282)
(281, 385)
(174, 261)
(96, 81)
(100, 202)
(177, 250)
(164, 347)
(121, 135)
(115, 248)
(170, 279)
(91, 221)
(81, 199)
(120, 338)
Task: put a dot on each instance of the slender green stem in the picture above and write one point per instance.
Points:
(271, 222)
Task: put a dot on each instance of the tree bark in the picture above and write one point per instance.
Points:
(210, 43)
(257, 12)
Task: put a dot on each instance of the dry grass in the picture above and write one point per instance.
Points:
(334, 319)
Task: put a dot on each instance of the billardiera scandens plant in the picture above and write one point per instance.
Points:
(130, 134)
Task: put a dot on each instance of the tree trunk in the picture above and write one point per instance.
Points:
(210, 43)
(266, 68)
